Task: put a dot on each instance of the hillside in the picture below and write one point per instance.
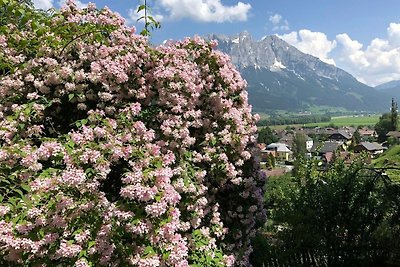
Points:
(391, 88)
(390, 159)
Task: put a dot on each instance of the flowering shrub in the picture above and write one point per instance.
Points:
(115, 153)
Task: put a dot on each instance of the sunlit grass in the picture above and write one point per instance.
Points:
(366, 120)
(391, 158)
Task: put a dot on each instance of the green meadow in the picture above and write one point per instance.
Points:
(366, 120)
(349, 121)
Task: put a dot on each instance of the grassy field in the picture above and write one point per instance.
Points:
(349, 120)
(391, 158)
(339, 121)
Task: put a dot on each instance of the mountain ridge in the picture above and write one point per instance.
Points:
(388, 85)
(280, 76)
(391, 88)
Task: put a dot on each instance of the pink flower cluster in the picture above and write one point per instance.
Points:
(129, 154)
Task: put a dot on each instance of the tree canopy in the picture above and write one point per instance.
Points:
(387, 122)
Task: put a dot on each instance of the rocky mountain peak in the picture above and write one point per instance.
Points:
(281, 76)
(264, 53)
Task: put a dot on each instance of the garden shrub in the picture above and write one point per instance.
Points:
(117, 153)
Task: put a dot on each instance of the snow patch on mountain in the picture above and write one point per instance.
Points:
(277, 66)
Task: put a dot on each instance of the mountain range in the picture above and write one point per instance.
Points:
(391, 88)
(280, 77)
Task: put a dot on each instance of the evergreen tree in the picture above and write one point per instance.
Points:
(383, 126)
(299, 146)
(355, 139)
(394, 115)
(387, 122)
(271, 159)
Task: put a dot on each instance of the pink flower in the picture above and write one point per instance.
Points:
(82, 263)
(73, 177)
(229, 260)
(4, 210)
(68, 250)
(156, 209)
(152, 261)
(82, 237)
(3, 41)
(90, 156)
(141, 193)
(163, 176)
(162, 125)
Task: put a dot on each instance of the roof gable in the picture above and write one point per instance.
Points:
(374, 146)
(393, 134)
(346, 135)
(325, 147)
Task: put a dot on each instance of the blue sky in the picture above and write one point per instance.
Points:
(359, 36)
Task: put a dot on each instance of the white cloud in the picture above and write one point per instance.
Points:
(278, 24)
(275, 19)
(205, 10)
(313, 43)
(78, 3)
(134, 16)
(290, 38)
(379, 62)
(43, 4)
(394, 34)
(373, 64)
(351, 52)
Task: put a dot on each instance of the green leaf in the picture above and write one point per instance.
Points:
(40, 32)
(91, 244)
(19, 192)
(6, 181)
(213, 141)
(26, 187)
(140, 8)
(140, 18)
(149, 251)
(145, 32)
(20, 12)
(35, 25)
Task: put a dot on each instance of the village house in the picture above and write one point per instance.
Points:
(367, 133)
(309, 143)
(325, 150)
(287, 139)
(373, 148)
(341, 136)
(281, 151)
(328, 130)
(394, 134)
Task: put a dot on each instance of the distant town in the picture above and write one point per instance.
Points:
(320, 142)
